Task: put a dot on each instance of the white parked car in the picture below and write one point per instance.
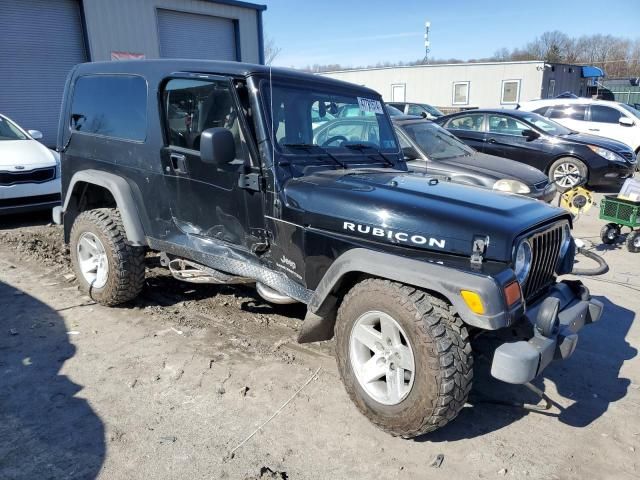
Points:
(29, 171)
(614, 120)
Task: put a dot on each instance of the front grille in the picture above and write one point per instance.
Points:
(39, 175)
(26, 201)
(545, 250)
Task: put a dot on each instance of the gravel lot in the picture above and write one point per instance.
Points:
(168, 387)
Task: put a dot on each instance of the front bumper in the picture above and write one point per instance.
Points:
(29, 196)
(613, 174)
(520, 362)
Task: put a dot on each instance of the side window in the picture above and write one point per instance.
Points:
(467, 122)
(192, 106)
(403, 142)
(574, 112)
(604, 114)
(505, 125)
(111, 106)
(415, 110)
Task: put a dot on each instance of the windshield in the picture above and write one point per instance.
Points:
(546, 125)
(10, 131)
(432, 110)
(631, 110)
(334, 120)
(435, 141)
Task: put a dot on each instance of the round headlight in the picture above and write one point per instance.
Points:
(523, 261)
(513, 186)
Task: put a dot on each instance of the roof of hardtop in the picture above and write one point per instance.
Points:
(165, 67)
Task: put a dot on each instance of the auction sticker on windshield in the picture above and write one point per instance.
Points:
(370, 105)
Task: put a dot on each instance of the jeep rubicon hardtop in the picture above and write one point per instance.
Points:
(216, 166)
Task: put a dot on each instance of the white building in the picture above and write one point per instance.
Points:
(472, 85)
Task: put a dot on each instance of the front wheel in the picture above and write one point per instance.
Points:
(633, 241)
(404, 357)
(567, 173)
(609, 233)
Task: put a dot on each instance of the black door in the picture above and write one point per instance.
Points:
(469, 128)
(206, 199)
(505, 139)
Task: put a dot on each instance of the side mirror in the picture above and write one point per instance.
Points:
(530, 134)
(217, 146)
(626, 122)
(37, 134)
(410, 153)
(424, 115)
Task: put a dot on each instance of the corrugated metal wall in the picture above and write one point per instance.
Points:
(40, 41)
(132, 25)
(191, 35)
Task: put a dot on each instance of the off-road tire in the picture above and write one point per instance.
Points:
(126, 262)
(607, 230)
(633, 241)
(440, 344)
(582, 170)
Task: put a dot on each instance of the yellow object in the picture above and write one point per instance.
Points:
(577, 200)
(473, 301)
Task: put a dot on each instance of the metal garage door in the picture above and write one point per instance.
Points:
(40, 40)
(189, 35)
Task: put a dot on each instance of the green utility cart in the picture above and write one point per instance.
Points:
(621, 213)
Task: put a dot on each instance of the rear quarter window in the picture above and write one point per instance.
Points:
(111, 106)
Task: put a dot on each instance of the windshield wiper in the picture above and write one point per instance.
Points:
(362, 146)
(309, 146)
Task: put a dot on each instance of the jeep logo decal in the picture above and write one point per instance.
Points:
(391, 235)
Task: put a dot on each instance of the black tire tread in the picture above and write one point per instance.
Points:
(128, 259)
(438, 326)
(631, 239)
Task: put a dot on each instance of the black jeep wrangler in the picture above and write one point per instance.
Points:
(218, 166)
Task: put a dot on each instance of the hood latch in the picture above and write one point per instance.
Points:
(480, 244)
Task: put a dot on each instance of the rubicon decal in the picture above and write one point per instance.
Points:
(392, 235)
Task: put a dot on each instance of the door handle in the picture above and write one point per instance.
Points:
(594, 129)
(492, 140)
(178, 162)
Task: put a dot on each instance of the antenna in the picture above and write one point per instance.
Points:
(427, 43)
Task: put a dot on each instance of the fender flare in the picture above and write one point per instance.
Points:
(444, 280)
(121, 192)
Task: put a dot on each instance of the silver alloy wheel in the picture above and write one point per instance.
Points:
(92, 260)
(382, 358)
(612, 234)
(566, 175)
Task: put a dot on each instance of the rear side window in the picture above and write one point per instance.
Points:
(603, 114)
(573, 112)
(111, 106)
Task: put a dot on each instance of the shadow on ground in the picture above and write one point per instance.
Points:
(590, 379)
(46, 431)
(19, 220)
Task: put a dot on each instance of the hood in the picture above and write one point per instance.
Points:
(603, 142)
(25, 153)
(497, 167)
(413, 210)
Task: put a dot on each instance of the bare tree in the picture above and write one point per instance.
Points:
(271, 50)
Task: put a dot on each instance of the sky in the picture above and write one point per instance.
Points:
(363, 32)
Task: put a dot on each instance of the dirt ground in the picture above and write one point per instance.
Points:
(169, 386)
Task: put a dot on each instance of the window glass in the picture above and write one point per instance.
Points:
(435, 141)
(467, 122)
(542, 111)
(546, 125)
(9, 131)
(461, 93)
(110, 105)
(193, 106)
(403, 142)
(352, 119)
(631, 110)
(506, 125)
(393, 111)
(415, 110)
(510, 91)
(604, 114)
(573, 112)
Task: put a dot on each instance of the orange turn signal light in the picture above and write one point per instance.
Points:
(512, 293)
(473, 301)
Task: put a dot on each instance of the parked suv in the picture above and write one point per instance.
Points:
(214, 166)
(615, 120)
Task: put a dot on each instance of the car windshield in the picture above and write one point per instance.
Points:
(435, 141)
(10, 131)
(432, 110)
(341, 123)
(631, 110)
(546, 125)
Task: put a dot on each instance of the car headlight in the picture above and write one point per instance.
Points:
(608, 154)
(513, 186)
(522, 261)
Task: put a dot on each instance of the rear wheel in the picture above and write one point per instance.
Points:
(633, 241)
(404, 357)
(567, 172)
(107, 267)
(609, 233)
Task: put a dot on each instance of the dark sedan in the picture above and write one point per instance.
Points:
(430, 148)
(564, 155)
